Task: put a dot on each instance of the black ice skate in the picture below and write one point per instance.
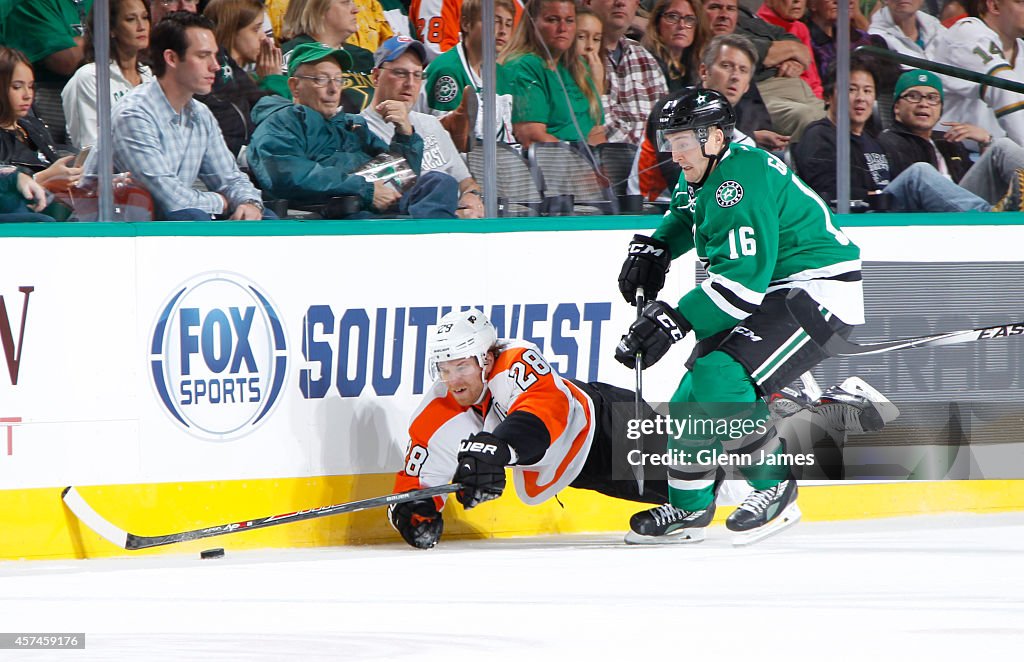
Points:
(764, 513)
(668, 525)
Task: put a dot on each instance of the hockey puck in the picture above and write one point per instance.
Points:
(215, 553)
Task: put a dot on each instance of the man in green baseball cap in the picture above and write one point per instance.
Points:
(917, 106)
(313, 52)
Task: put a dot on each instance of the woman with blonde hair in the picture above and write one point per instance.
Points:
(676, 34)
(554, 97)
(590, 44)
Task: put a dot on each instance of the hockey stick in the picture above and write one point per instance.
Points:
(125, 540)
(638, 468)
(833, 344)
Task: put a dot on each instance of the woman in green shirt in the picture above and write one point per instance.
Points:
(553, 95)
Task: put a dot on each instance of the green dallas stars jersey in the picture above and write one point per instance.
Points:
(449, 73)
(758, 228)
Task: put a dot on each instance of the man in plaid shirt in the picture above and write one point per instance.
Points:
(633, 80)
(166, 139)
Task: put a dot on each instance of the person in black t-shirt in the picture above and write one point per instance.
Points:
(918, 188)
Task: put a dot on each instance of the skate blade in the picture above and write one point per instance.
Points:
(682, 537)
(790, 516)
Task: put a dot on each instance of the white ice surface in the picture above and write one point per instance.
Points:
(928, 588)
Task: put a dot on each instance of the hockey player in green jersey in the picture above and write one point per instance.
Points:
(759, 231)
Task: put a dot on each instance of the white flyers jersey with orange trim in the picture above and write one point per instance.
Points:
(436, 24)
(521, 380)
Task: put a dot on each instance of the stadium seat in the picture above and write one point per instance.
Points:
(562, 169)
(50, 110)
(615, 161)
(518, 194)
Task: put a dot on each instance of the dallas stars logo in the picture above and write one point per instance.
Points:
(701, 98)
(445, 89)
(729, 193)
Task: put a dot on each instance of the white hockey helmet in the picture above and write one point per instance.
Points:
(459, 335)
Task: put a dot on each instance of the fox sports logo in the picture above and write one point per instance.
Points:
(218, 356)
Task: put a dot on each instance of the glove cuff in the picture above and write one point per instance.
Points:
(488, 447)
(677, 316)
(657, 243)
(657, 308)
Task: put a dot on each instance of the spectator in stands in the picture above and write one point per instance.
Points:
(307, 151)
(918, 188)
(166, 139)
(24, 141)
(912, 139)
(242, 43)
(332, 22)
(553, 96)
(632, 78)
(21, 197)
(590, 44)
(821, 22)
(906, 29)
(787, 14)
(450, 73)
(987, 42)
(129, 36)
(728, 67)
(372, 28)
(782, 59)
(676, 33)
(51, 34)
(436, 24)
(779, 53)
(160, 8)
(397, 79)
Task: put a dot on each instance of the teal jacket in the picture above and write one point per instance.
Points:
(298, 154)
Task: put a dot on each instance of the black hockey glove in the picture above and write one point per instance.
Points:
(419, 522)
(657, 328)
(646, 264)
(482, 460)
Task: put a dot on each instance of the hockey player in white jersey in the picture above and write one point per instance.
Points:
(989, 42)
(497, 404)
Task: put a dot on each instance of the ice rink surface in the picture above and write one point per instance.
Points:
(947, 587)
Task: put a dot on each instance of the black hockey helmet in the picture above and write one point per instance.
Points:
(698, 110)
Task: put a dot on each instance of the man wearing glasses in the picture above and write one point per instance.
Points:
(167, 139)
(397, 79)
(912, 139)
(307, 151)
(920, 187)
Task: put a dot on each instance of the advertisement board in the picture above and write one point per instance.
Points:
(160, 359)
